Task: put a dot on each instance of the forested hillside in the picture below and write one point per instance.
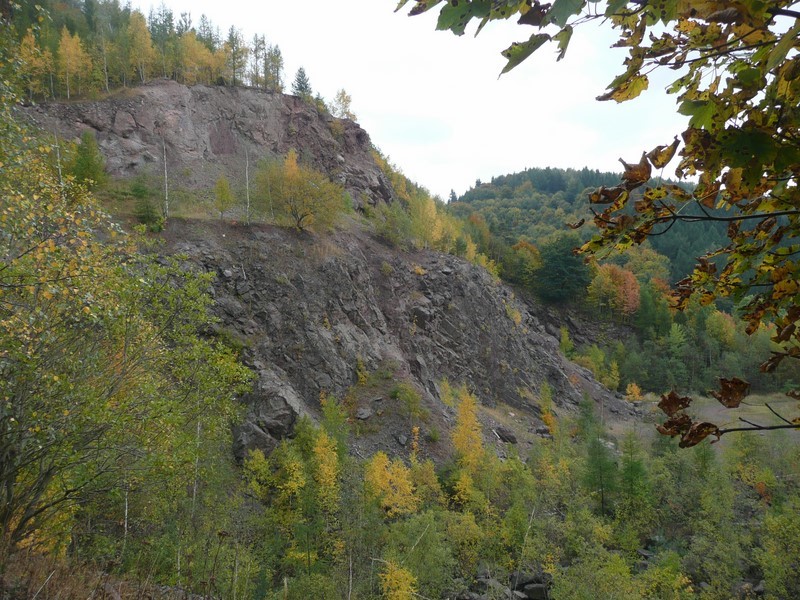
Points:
(522, 221)
(261, 390)
(538, 204)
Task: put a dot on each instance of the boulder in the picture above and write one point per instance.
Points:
(536, 591)
(506, 435)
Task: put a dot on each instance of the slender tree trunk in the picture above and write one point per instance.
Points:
(105, 63)
(58, 161)
(166, 179)
(350, 576)
(125, 525)
(196, 468)
(247, 183)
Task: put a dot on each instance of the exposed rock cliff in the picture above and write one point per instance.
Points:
(309, 309)
(205, 131)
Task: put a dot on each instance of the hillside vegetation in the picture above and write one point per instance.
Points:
(118, 387)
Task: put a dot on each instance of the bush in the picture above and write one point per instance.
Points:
(410, 400)
(147, 214)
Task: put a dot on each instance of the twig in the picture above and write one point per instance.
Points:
(758, 428)
(772, 410)
(419, 539)
(44, 584)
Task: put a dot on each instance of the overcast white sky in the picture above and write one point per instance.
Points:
(433, 102)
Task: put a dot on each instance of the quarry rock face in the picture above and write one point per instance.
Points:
(310, 310)
(314, 314)
(208, 131)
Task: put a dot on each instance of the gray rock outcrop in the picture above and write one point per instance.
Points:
(309, 309)
(207, 131)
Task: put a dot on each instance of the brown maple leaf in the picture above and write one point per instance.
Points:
(672, 403)
(604, 195)
(676, 425)
(697, 433)
(636, 175)
(732, 392)
(661, 155)
(577, 225)
(535, 15)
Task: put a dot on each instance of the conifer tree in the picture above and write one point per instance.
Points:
(273, 69)
(301, 86)
(236, 53)
(87, 164)
(466, 435)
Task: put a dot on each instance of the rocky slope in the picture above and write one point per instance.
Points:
(207, 131)
(316, 314)
(310, 311)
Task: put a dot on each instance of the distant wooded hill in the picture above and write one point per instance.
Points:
(536, 204)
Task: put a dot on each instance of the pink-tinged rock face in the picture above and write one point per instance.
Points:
(209, 131)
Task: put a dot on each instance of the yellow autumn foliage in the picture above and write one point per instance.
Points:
(391, 483)
(466, 435)
(397, 583)
(327, 470)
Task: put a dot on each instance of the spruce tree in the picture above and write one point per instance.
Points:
(301, 86)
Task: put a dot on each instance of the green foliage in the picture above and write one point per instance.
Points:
(223, 196)
(410, 399)
(598, 575)
(105, 376)
(562, 276)
(298, 195)
(781, 550)
(393, 224)
(601, 477)
(146, 213)
(86, 164)
(422, 545)
(715, 552)
(566, 345)
(301, 86)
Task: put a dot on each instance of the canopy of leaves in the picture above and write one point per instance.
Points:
(104, 376)
(298, 194)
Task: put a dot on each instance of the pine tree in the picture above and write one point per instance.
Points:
(326, 473)
(301, 86)
(236, 52)
(273, 69)
(88, 165)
